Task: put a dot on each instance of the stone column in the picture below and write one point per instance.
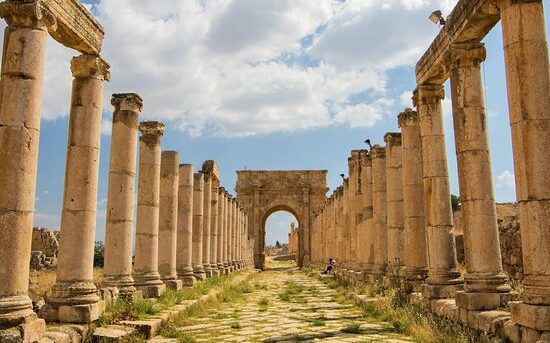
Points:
(74, 297)
(394, 187)
(232, 221)
(214, 227)
(415, 258)
(221, 216)
(226, 232)
(366, 181)
(528, 83)
(198, 227)
(206, 221)
(168, 219)
(379, 206)
(20, 102)
(146, 275)
(443, 276)
(484, 277)
(117, 270)
(184, 252)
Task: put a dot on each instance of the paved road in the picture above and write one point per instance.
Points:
(299, 308)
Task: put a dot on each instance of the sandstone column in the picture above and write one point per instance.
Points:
(198, 208)
(379, 206)
(206, 222)
(184, 253)
(366, 181)
(226, 232)
(214, 227)
(415, 258)
(146, 275)
(484, 277)
(117, 271)
(231, 236)
(443, 276)
(528, 83)
(74, 296)
(168, 218)
(221, 216)
(20, 102)
(394, 187)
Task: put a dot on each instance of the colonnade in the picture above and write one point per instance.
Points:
(397, 205)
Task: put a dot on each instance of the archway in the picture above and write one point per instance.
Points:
(280, 236)
(264, 192)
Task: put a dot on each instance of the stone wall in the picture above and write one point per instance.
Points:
(45, 244)
(510, 240)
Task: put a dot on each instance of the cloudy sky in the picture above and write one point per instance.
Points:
(262, 84)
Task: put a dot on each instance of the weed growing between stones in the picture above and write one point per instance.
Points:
(353, 328)
(319, 321)
(264, 304)
(170, 331)
(235, 325)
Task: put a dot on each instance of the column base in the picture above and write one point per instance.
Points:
(86, 313)
(215, 270)
(482, 301)
(207, 270)
(186, 276)
(440, 291)
(73, 302)
(415, 274)
(152, 291)
(486, 283)
(30, 329)
(536, 317)
(199, 273)
(124, 283)
(173, 284)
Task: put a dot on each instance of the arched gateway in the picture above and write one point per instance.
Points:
(263, 192)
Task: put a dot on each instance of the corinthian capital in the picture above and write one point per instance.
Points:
(31, 14)
(90, 66)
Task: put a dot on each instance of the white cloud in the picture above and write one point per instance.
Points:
(506, 180)
(406, 99)
(47, 220)
(248, 67)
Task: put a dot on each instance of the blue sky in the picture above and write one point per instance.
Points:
(296, 89)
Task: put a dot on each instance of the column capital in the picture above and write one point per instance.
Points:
(90, 66)
(467, 54)
(392, 138)
(427, 94)
(378, 152)
(151, 129)
(366, 159)
(127, 102)
(408, 118)
(221, 190)
(31, 14)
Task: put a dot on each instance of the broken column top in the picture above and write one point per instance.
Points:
(90, 66)
(407, 118)
(151, 128)
(210, 167)
(392, 138)
(127, 102)
(378, 151)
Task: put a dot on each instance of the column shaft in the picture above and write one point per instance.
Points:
(206, 223)
(184, 253)
(198, 208)
(119, 226)
(214, 227)
(146, 275)
(74, 296)
(379, 206)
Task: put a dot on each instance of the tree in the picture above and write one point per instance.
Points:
(278, 245)
(99, 254)
(455, 202)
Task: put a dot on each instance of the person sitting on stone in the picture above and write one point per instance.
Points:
(330, 265)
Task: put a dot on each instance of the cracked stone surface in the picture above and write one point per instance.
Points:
(311, 315)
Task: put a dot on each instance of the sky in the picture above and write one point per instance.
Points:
(263, 84)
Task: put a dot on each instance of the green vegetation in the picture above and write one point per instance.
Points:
(235, 325)
(264, 303)
(352, 328)
(170, 331)
(319, 321)
(99, 254)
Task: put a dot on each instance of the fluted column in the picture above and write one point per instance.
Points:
(379, 206)
(443, 275)
(221, 233)
(168, 219)
(481, 240)
(528, 83)
(20, 102)
(206, 222)
(394, 187)
(415, 258)
(198, 210)
(184, 252)
(117, 270)
(146, 275)
(74, 296)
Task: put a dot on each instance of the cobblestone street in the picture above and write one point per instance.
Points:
(287, 306)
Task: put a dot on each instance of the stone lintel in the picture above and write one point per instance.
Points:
(470, 21)
(76, 26)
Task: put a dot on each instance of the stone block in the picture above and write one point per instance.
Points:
(80, 313)
(529, 335)
(479, 301)
(32, 331)
(152, 291)
(174, 284)
(112, 333)
(463, 315)
(148, 328)
(491, 321)
(440, 291)
(512, 331)
(532, 316)
(544, 337)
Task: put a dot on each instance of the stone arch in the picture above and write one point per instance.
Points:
(263, 192)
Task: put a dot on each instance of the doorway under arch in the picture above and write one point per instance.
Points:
(280, 233)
